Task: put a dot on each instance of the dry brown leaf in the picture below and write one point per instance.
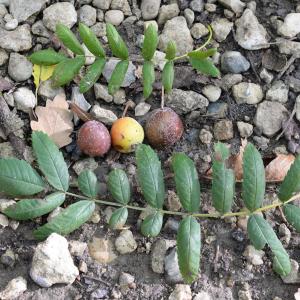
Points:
(55, 119)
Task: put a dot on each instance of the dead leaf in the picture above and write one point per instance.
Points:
(55, 120)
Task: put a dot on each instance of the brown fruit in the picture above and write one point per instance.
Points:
(163, 128)
(93, 138)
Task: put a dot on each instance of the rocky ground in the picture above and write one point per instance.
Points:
(256, 97)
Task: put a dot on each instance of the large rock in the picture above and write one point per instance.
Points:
(52, 262)
(150, 9)
(16, 40)
(186, 101)
(269, 117)
(291, 25)
(19, 67)
(60, 13)
(250, 34)
(22, 10)
(176, 30)
(247, 92)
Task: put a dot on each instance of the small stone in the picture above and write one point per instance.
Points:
(141, 109)
(5, 203)
(99, 293)
(122, 5)
(189, 16)
(172, 271)
(38, 28)
(234, 62)
(181, 292)
(150, 9)
(173, 203)
(3, 57)
(230, 80)
(52, 262)
(199, 30)
(167, 12)
(291, 25)
(278, 92)
(87, 15)
(298, 108)
(101, 92)
(254, 256)
(247, 92)
(289, 47)
(3, 221)
(77, 248)
(14, 289)
(202, 296)
(96, 217)
(158, 252)
(19, 67)
(11, 24)
(114, 17)
(119, 97)
(266, 76)
(244, 295)
(205, 136)
(85, 164)
(47, 90)
(159, 59)
(221, 28)
(285, 233)
(102, 4)
(223, 130)
(261, 142)
(245, 129)
(210, 7)
(217, 110)
(8, 258)
(294, 276)
(197, 5)
(126, 280)
(83, 268)
(24, 99)
(103, 115)
(99, 29)
(102, 250)
(125, 242)
(171, 225)
(236, 6)
(212, 92)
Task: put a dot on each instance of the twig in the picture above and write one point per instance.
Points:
(95, 279)
(288, 64)
(282, 215)
(162, 103)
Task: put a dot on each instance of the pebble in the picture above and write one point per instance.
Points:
(298, 108)
(120, 97)
(141, 109)
(181, 292)
(4, 222)
(99, 29)
(122, 5)
(102, 4)
(289, 47)
(102, 250)
(217, 110)
(171, 225)
(11, 24)
(291, 25)
(172, 272)
(254, 256)
(8, 258)
(24, 99)
(294, 276)
(60, 13)
(114, 17)
(245, 129)
(167, 12)
(19, 67)
(212, 92)
(189, 16)
(223, 130)
(52, 262)
(103, 115)
(266, 76)
(47, 90)
(150, 9)
(236, 6)
(250, 34)
(77, 248)
(125, 242)
(14, 289)
(247, 92)
(85, 164)
(87, 15)
(230, 80)
(278, 92)
(205, 136)
(3, 57)
(126, 280)
(221, 28)
(202, 296)
(158, 252)
(197, 5)
(173, 202)
(261, 142)
(285, 234)
(199, 30)
(234, 62)
(82, 267)
(210, 7)
(159, 60)
(101, 92)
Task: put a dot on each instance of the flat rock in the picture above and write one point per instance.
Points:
(19, 67)
(291, 25)
(247, 92)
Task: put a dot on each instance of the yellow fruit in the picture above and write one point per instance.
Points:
(126, 133)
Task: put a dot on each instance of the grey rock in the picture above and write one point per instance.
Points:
(199, 30)
(172, 272)
(19, 67)
(24, 99)
(291, 25)
(11, 24)
(245, 129)
(3, 10)
(197, 5)
(261, 142)
(114, 17)
(247, 92)
(122, 5)
(150, 9)
(102, 4)
(205, 136)
(3, 57)
(212, 92)
(77, 248)
(47, 90)
(269, 117)
(59, 13)
(99, 29)
(223, 130)
(234, 62)
(17, 40)
(230, 80)
(103, 115)
(87, 15)
(254, 256)
(79, 100)
(236, 6)
(8, 258)
(294, 276)
(210, 7)
(221, 28)
(120, 97)
(176, 30)
(167, 12)
(14, 289)
(181, 292)
(293, 82)
(125, 242)
(203, 296)
(285, 234)
(4, 222)
(38, 28)
(141, 109)
(278, 92)
(189, 16)
(101, 92)
(171, 225)
(289, 47)
(266, 76)
(186, 101)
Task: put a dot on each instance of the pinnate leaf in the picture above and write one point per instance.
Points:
(46, 57)
(150, 42)
(68, 220)
(117, 76)
(88, 184)
(171, 50)
(168, 76)
(27, 209)
(205, 66)
(150, 176)
(119, 186)
(292, 214)
(148, 78)
(200, 54)
(187, 183)
(188, 248)
(118, 218)
(152, 224)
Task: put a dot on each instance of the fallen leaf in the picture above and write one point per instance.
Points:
(55, 119)
(41, 73)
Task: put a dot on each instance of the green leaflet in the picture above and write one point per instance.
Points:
(188, 248)
(168, 76)
(119, 186)
(116, 43)
(254, 182)
(117, 76)
(118, 218)
(27, 209)
(148, 78)
(292, 214)
(66, 70)
(18, 178)
(68, 39)
(187, 183)
(150, 42)
(51, 161)
(68, 220)
(90, 40)
(205, 66)
(260, 234)
(150, 176)
(291, 182)
(46, 57)
(200, 54)
(88, 184)
(92, 75)
(171, 50)
(152, 224)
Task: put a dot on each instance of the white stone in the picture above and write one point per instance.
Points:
(159, 59)
(87, 15)
(11, 24)
(199, 30)
(114, 17)
(103, 115)
(14, 289)
(77, 248)
(181, 292)
(101, 92)
(19, 67)
(150, 9)
(221, 28)
(254, 256)
(247, 92)
(289, 47)
(3, 221)
(125, 242)
(291, 25)
(236, 6)
(24, 99)
(245, 129)
(278, 92)
(167, 12)
(141, 109)
(212, 92)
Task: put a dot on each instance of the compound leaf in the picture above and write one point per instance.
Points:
(168, 76)
(118, 218)
(205, 66)
(46, 57)
(148, 78)
(88, 184)
(200, 54)
(292, 214)
(150, 42)
(117, 76)
(152, 224)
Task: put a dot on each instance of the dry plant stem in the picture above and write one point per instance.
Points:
(162, 103)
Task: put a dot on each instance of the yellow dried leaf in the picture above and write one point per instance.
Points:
(42, 73)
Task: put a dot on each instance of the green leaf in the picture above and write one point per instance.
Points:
(187, 183)
(292, 214)
(168, 76)
(92, 75)
(88, 184)
(116, 43)
(117, 76)
(90, 40)
(51, 161)
(46, 57)
(18, 178)
(68, 220)
(148, 78)
(69, 39)
(260, 234)
(171, 50)
(291, 182)
(118, 218)
(254, 181)
(223, 180)
(200, 54)
(150, 176)
(150, 42)
(152, 224)
(119, 186)
(188, 248)
(28, 209)
(66, 70)
(205, 66)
